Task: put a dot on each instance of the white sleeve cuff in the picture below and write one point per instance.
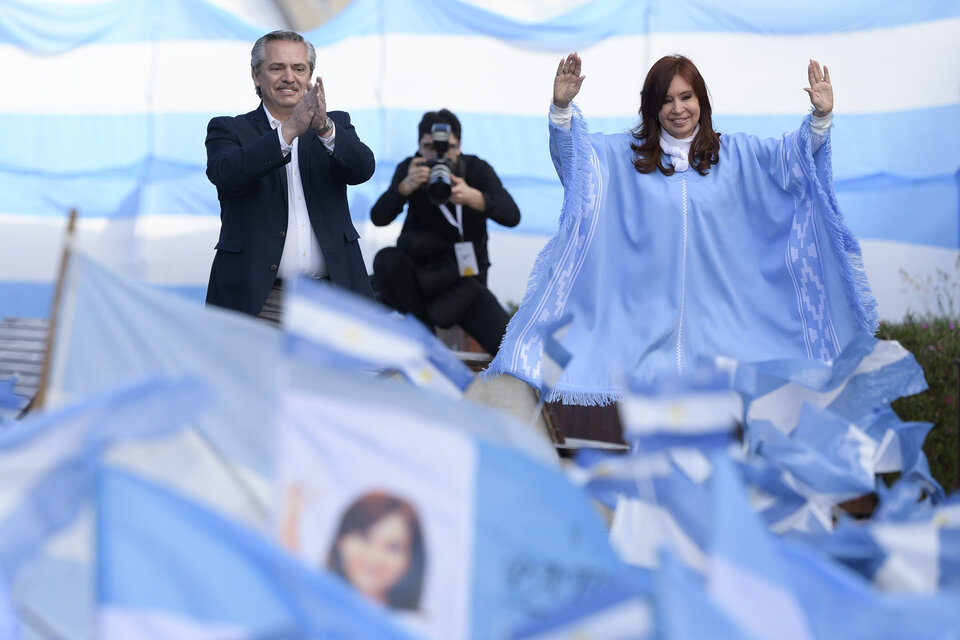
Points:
(285, 148)
(561, 117)
(328, 142)
(820, 126)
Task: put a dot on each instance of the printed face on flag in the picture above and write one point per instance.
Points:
(378, 549)
(365, 496)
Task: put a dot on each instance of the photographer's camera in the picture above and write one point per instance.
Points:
(441, 168)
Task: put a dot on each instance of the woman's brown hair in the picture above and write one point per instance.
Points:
(705, 149)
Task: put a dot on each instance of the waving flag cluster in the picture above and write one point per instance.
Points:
(218, 484)
(840, 428)
(705, 516)
(920, 553)
(223, 476)
(129, 155)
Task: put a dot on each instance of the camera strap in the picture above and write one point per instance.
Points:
(466, 255)
(458, 222)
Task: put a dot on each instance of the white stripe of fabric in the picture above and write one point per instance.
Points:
(327, 326)
(683, 278)
(783, 405)
(948, 516)
(145, 77)
(640, 530)
(860, 61)
(186, 462)
(377, 73)
(764, 608)
(888, 457)
(692, 462)
(164, 250)
(689, 414)
(866, 447)
(884, 353)
(648, 465)
(127, 623)
(30, 251)
(800, 520)
(913, 561)
(424, 374)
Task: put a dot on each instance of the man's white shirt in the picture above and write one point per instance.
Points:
(301, 251)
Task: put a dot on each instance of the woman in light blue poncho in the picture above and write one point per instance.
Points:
(677, 246)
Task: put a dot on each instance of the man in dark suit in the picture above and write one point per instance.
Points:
(281, 173)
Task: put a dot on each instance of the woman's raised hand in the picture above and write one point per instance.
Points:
(820, 91)
(566, 85)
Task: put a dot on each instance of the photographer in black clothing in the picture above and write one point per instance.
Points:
(438, 270)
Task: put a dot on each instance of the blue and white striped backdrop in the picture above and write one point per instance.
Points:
(106, 104)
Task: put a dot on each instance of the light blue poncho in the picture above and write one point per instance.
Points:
(751, 262)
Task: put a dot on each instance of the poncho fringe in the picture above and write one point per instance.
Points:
(845, 246)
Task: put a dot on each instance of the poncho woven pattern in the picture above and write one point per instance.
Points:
(751, 262)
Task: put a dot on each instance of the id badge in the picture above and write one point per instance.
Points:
(466, 259)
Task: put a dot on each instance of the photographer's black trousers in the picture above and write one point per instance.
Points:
(400, 284)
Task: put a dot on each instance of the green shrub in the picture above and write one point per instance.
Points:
(935, 343)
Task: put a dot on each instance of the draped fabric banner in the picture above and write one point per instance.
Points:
(129, 85)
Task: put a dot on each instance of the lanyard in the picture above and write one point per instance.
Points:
(458, 223)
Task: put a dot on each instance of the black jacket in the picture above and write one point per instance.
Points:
(245, 163)
(423, 215)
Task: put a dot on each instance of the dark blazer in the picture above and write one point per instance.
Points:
(246, 165)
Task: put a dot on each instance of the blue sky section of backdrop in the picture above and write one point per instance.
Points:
(110, 100)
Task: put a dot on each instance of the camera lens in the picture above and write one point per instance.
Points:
(438, 184)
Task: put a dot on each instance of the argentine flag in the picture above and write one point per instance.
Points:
(168, 567)
(340, 330)
(485, 537)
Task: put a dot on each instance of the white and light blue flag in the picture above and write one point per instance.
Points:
(867, 375)
(341, 330)
(856, 390)
(112, 330)
(774, 588)
(684, 610)
(132, 159)
(919, 555)
(168, 567)
(47, 469)
(905, 500)
(745, 577)
(841, 601)
(697, 410)
(825, 455)
(655, 505)
(777, 498)
(489, 538)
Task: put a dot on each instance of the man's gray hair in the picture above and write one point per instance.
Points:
(259, 52)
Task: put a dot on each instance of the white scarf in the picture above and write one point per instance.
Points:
(678, 150)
